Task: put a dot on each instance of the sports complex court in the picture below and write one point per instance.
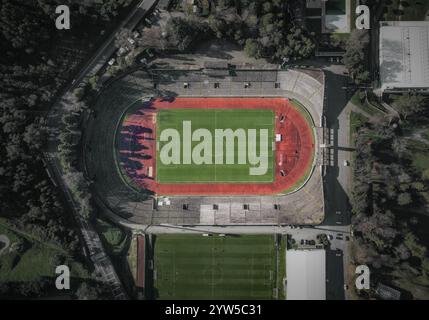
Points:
(290, 145)
(216, 267)
(211, 120)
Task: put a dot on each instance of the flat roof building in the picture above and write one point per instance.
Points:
(306, 275)
(404, 56)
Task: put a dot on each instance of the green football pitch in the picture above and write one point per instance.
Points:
(212, 119)
(231, 267)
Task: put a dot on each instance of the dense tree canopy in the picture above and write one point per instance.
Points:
(356, 56)
(391, 195)
(35, 62)
(264, 28)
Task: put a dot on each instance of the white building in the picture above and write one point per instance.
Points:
(306, 275)
(404, 56)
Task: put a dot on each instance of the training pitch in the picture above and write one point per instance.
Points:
(215, 168)
(231, 267)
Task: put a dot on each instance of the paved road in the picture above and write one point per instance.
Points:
(103, 267)
(339, 176)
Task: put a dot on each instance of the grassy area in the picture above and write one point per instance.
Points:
(356, 121)
(231, 267)
(114, 238)
(367, 107)
(282, 268)
(212, 119)
(340, 37)
(29, 260)
(117, 242)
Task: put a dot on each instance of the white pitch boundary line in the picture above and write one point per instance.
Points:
(215, 167)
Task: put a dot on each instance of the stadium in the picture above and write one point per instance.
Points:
(209, 147)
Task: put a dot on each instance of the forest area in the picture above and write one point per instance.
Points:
(36, 60)
(390, 197)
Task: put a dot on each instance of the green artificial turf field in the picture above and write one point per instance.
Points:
(231, 267)
(212, 119)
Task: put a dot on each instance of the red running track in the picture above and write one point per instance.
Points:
(294, 154)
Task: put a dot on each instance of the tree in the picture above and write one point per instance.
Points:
(253, 48)
(356, 57)
(92, 291)
(425, 174)
(404, 199)
(68, 138)
(76, 182)
(183, 31)
(122, 38)
(411, 241)
(407, 104)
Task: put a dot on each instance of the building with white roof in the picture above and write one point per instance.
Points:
(306, 275)
(404, 56)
